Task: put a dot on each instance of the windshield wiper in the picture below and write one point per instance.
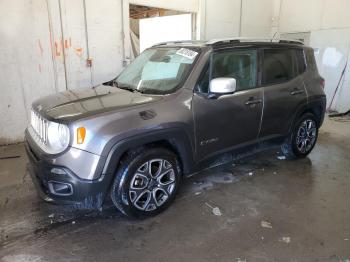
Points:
(151, 91)
(141, 90)
(124, 87)
(128, 88)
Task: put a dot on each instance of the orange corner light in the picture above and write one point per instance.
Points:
(81, 132)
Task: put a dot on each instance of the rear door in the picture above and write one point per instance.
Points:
(284, 91)
(230, 120)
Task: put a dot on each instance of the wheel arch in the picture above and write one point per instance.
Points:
(315, 107)
(173, 139)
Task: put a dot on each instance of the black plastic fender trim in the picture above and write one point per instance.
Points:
(177, 137)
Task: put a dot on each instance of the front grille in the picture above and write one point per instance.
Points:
(40, 126)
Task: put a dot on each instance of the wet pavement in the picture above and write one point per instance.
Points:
(258, 208)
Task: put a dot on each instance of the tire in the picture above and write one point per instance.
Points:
(146, 182)
(305, 130)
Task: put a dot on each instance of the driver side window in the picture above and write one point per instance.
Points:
(241, 65)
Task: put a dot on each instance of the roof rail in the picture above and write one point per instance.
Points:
(248, 39)
(178, 42)
(291, 41)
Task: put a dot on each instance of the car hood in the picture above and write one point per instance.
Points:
(76, 104)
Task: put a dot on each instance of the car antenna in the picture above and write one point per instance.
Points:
(273, 36)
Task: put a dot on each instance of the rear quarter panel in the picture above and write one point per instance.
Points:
(315, 92)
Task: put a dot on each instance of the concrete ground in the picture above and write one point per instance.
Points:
(259, 208)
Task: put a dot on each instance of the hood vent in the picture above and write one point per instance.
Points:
(148, 114)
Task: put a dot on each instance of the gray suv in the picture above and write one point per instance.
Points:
(172, 112)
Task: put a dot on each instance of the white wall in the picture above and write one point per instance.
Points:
(258, 18)
(328, 23)
(332, 55)
(73, 50)
(221, 18)
(105, 37)
(165, 28)
(40, 56)
(224, 19)
(26, 67)
(300, 15)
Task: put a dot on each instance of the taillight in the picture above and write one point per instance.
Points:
(322, 82)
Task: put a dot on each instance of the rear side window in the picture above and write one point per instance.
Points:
(311, 63)
(277, 66)
(300, 61)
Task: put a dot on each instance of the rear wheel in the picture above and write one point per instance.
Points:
(303, 137)
(146, 182)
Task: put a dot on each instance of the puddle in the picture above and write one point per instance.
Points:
(43, 218)
(228, 173)
(22, 258)
(207, 181)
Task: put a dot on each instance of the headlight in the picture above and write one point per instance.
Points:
(57, 137)
(51, 137)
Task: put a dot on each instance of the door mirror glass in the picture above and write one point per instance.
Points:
(223, 85)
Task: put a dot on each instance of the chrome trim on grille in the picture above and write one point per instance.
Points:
(40, 126)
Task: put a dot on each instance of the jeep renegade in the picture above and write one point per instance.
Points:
(176, 108)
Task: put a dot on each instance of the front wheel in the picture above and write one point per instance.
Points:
(146, 182)
(303, 137)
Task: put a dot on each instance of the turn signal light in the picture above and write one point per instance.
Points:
(81, 132)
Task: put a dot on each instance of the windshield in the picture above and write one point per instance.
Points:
(158, 70)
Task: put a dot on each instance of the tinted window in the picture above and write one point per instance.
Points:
(300, 60)
(203, 83)
(311, 63)
(277, 66)
(241, 65)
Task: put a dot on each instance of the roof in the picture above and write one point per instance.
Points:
(238, 41)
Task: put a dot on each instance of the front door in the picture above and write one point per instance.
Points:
(230, 120)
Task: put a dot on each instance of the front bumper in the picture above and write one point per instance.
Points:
(82, 193)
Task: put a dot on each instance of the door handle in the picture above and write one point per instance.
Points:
(253, 102)
(296, 92)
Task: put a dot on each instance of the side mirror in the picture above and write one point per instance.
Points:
(222, 85)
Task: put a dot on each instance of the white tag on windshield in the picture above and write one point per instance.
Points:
(190, 54)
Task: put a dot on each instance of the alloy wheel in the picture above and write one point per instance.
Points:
(306, 135)
(152, 184)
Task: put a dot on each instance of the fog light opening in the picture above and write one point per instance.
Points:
(58, 171)
(60, 189)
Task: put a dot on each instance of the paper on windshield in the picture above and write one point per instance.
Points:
(190, 54)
